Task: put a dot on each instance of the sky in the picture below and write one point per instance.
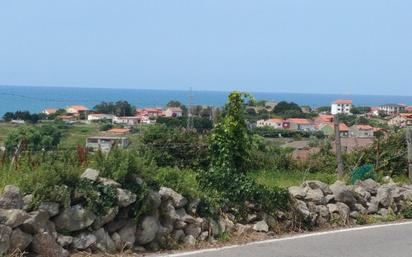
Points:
(304, 46)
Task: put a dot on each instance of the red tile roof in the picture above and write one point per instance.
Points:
(364, 127)
(343, 101)
(119, 130)
(78, 107)
(300, 121)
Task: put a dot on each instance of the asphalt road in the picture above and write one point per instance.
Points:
(375, 241)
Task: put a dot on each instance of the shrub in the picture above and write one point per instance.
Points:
(182, 181)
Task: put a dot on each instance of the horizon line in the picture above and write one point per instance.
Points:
(203, 90)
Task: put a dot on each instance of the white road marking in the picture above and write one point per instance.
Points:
(289, 238)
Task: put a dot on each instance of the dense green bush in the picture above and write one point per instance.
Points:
(174, 147)
(33, 138)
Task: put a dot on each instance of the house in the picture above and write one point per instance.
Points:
(19, 122)
(127, 120)
(328, 129)
(301, 124)
(119, 131)
(391, 109)
(67, 118)
(76, 109)
(149, 112)
(408, 108)
(341, 106)
(306, 109)
(274, 123)
(361, 131)
(401, 120)
(374, 111)
(49, 111)
(100, 116)
(173, 112)
(105, 144)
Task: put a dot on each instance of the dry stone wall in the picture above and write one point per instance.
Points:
(53, 230)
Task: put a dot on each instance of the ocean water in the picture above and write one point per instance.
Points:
(35, 99)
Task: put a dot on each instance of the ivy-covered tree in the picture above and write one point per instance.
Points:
(230, 153)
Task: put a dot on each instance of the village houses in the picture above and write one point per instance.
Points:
(401, 120)
(391, 109)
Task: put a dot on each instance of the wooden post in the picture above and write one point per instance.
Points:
(409, 141)
(338, 146)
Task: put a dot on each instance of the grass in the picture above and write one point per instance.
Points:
(5, 129)
(284, 179)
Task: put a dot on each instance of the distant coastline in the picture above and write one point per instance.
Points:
(36, 98)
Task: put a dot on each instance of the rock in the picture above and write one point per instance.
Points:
(125, 197)
(360, 208)
(189, 240)
(314, 184)
(108, 217)
(5, 233)
(323, 211)
(243, 229)
(20, 240)
(343, 194)
(369, 185)
(178, 235)
(128, 234)
(214, 227)
(342, 209)
(90, 174)
(139, 249)
(11, 198)
(193, 230)
(203, 236)
(45, 245)
(108, 182)
(270, 220)
(51, 208)
(261, 226)
(297, 192)
(329, 199)
(252, 217)
(383, 212)
(183, 216)
(36, 222)
(64, 241)
(104, 242)
(74, 218)
(117, 241)
(13, 217)
(154, 200)
(168, 213)
(192, 206)
(27, 201)
(177, 199)
(83, 240)
(373, 205)
(354, 214)
(302, 208)
(362, 193)
(50, 228)
(315, 195)
(147, 230)
(384, 196)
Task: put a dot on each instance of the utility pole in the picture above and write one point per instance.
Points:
(338, 145)
(409, 141)
(189, 114)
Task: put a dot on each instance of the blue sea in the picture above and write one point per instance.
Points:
(35, 99)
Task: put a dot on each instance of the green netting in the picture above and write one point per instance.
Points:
(363, 172)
